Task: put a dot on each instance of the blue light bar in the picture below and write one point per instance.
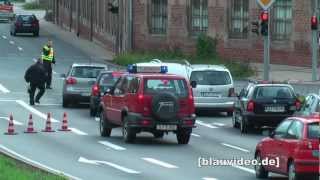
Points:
(164, 69)
(147, 69)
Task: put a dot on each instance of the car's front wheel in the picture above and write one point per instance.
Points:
(183, 136)
(235, 123)
(105, 129)
(261, 173)
(243, 125)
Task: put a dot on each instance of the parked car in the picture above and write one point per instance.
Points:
(104, 81)
(311, 106)
(215, 88)
(78, 82)
(6, 10)
(149, 100)
(296, 143)
(264, 104)
(25, 24)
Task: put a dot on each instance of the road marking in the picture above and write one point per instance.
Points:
(245, 169)
(14, 154)
(14, 121)
(77, 131)
(113, 146)
(235, 147)
(218, 124)
(3, 89)
(195, 135)
(34, 60)
(116, 166)
(209, 178)
(205, 124)
(7, 100)
(35, 111)
(11, 42)
(160, 163)
(97, 119)
(4, 37)
(20, 49)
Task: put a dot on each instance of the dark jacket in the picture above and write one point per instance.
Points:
(36, 74)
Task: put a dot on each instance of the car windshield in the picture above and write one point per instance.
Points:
(86, 72)
(211, 77)
(279, 92)
(108, 79)
(314, 131)
(175, 86)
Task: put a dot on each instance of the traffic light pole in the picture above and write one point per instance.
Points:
(315, 48)
(266, 54)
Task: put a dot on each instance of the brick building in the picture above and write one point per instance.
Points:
(170, 24)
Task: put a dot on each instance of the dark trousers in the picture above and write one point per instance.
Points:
(32, 91)
(48, 67)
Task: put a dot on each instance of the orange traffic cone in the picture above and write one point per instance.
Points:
(11, 127)
(64, 126)
(48, 124)
(30, 128)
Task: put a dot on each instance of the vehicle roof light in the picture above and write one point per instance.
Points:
(147, 69)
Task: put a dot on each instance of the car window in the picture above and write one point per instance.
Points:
(313, 131)
(211, 77)
(279, 92)
(86, 72)
(295, 130)
(108, 79)
(282, 129)
(176, 86)
(133, 85)
(28, 19)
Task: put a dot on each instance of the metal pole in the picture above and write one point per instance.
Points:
(315, 47)
(266, 53)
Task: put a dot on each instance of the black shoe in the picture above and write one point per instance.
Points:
(37, 101)
(31, 103)
(48, 87)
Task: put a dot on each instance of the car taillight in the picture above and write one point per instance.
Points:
(145, 122)
(95, 90)
(298, 104)
(71, 81)
(191, 104)
(232, 92)
(250, 106)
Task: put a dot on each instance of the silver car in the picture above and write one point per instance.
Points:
(215, 88)
(78, 82)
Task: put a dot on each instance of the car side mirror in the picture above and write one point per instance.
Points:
(63, 75)
(193, 84)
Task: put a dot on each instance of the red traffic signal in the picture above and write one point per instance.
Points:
(314, 23)
(264, 16)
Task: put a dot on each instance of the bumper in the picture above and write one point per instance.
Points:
(307, 166)
(76, 97)
(136, 121)
(265, 119)
(217, 106)
(27, 30)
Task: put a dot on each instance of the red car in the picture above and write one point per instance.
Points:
(295, 143)
(151, 102)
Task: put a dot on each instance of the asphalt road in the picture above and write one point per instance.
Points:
(85, 155)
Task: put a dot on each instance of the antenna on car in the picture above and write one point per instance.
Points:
(156, 61)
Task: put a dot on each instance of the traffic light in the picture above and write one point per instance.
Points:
(264, 18)
(255, 27)
(314, 23)
(113, 8)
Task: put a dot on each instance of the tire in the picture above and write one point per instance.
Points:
(243, 125)
(65, 102)
(183, 136)
(261, 173)
(158, 134)
(104, 126)
(14, 33)
(93, 112)
(235, 123)
(292, 175)
(165, 106)
(128, 134)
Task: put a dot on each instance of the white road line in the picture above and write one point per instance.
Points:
(218, 124)
(20, 49)
(35, 111)
(160, 163)
(3, 89)
(7, 100)
(235, 147)
(14, 154)
(77, 131)
(205, 124)
(14, 121)
(209, 178)
(195, 135)
(11, 42)
(113, 146)
(4, 37)
(121, 168)
(245, 169)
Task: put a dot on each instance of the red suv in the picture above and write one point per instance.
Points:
(150, 102)
(295, 143)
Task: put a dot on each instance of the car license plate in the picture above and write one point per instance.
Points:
(210, 94)
(166, 127)
(274, 109)
(26, 25)
(315, 153)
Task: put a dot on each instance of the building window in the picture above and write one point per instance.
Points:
(239, 19)
(199, 16)
(158, 16)
(282, 20)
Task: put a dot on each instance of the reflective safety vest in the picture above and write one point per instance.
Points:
(50, 55)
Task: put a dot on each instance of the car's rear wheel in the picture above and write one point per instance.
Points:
(243, 125)
(259, 169)
(235, 123)
(14, 33)
(65, 102)
(128, 134)
(104, 126)
(183, 136)
(158, 134)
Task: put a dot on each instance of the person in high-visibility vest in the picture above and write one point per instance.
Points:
(48, 60)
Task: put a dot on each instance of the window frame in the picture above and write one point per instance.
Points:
(295, 136)
(163, 17)
(202, 16)
(276, 22)
(244, 20)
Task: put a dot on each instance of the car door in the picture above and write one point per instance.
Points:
(286, 148)
(118, 100)
(111, 109)
(272, 148)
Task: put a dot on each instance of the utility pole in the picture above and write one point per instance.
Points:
(314, 28)
(265, 24)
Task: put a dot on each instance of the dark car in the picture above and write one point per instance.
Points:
(264, 104)
(105, 81)
(25, 24)
(311, 106)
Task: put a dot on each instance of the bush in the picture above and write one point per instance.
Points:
(33, 5)
(206, 46)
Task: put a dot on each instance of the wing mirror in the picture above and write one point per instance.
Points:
(193, 84)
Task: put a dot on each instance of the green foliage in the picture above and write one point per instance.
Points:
(206, 46)
(33, 6)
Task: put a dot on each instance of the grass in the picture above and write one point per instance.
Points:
(33, 6)
(238, 70)
(12, 170)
